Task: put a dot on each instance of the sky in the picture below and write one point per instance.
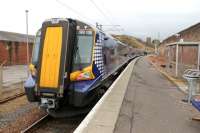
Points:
(140, 18)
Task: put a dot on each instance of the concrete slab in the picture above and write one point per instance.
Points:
(180, 83)
(110, 106)
(94, 128)
(105, 118)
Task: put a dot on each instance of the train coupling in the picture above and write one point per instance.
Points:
(49, 103)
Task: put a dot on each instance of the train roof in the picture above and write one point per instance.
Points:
(83, 25)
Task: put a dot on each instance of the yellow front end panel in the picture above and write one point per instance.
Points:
(50, 65)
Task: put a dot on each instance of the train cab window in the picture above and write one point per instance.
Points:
(83, 57)
(97, 38)
(36, 48)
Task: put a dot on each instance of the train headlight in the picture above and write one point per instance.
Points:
(85, 74)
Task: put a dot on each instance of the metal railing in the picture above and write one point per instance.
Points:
(192, 76)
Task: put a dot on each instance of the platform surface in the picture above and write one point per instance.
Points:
(14, 74)
(152, 104)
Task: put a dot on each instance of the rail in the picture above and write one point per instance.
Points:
(12, 97)
(36, 123)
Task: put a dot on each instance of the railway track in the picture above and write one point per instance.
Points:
(12, 97)
(36, 124)
(49, 124)
(57, 125)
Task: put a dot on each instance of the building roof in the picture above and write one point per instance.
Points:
(193, 27)
(184, 43)
(15, 37)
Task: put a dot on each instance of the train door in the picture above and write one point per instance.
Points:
(56, 51)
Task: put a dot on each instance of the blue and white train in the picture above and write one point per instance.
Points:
(72, 62)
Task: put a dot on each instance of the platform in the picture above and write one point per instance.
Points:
(141, 100)
(153, 104)
(14, 74)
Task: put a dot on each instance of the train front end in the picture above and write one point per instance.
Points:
(51, 62)
(63, 69)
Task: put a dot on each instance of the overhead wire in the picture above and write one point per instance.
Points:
(80, 15)
(102, 13)
(107, 12)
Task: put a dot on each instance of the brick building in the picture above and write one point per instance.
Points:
(13, 48)
(184, 47)
(191, 34)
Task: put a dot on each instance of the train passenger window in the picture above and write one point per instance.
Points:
(106, 38)
(83, 57)
(97, 39)
(104, 59)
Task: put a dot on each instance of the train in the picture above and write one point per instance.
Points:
(72, 63)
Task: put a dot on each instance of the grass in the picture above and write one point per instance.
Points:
(132, 41)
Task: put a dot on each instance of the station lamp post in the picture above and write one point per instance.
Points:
(27, 41)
